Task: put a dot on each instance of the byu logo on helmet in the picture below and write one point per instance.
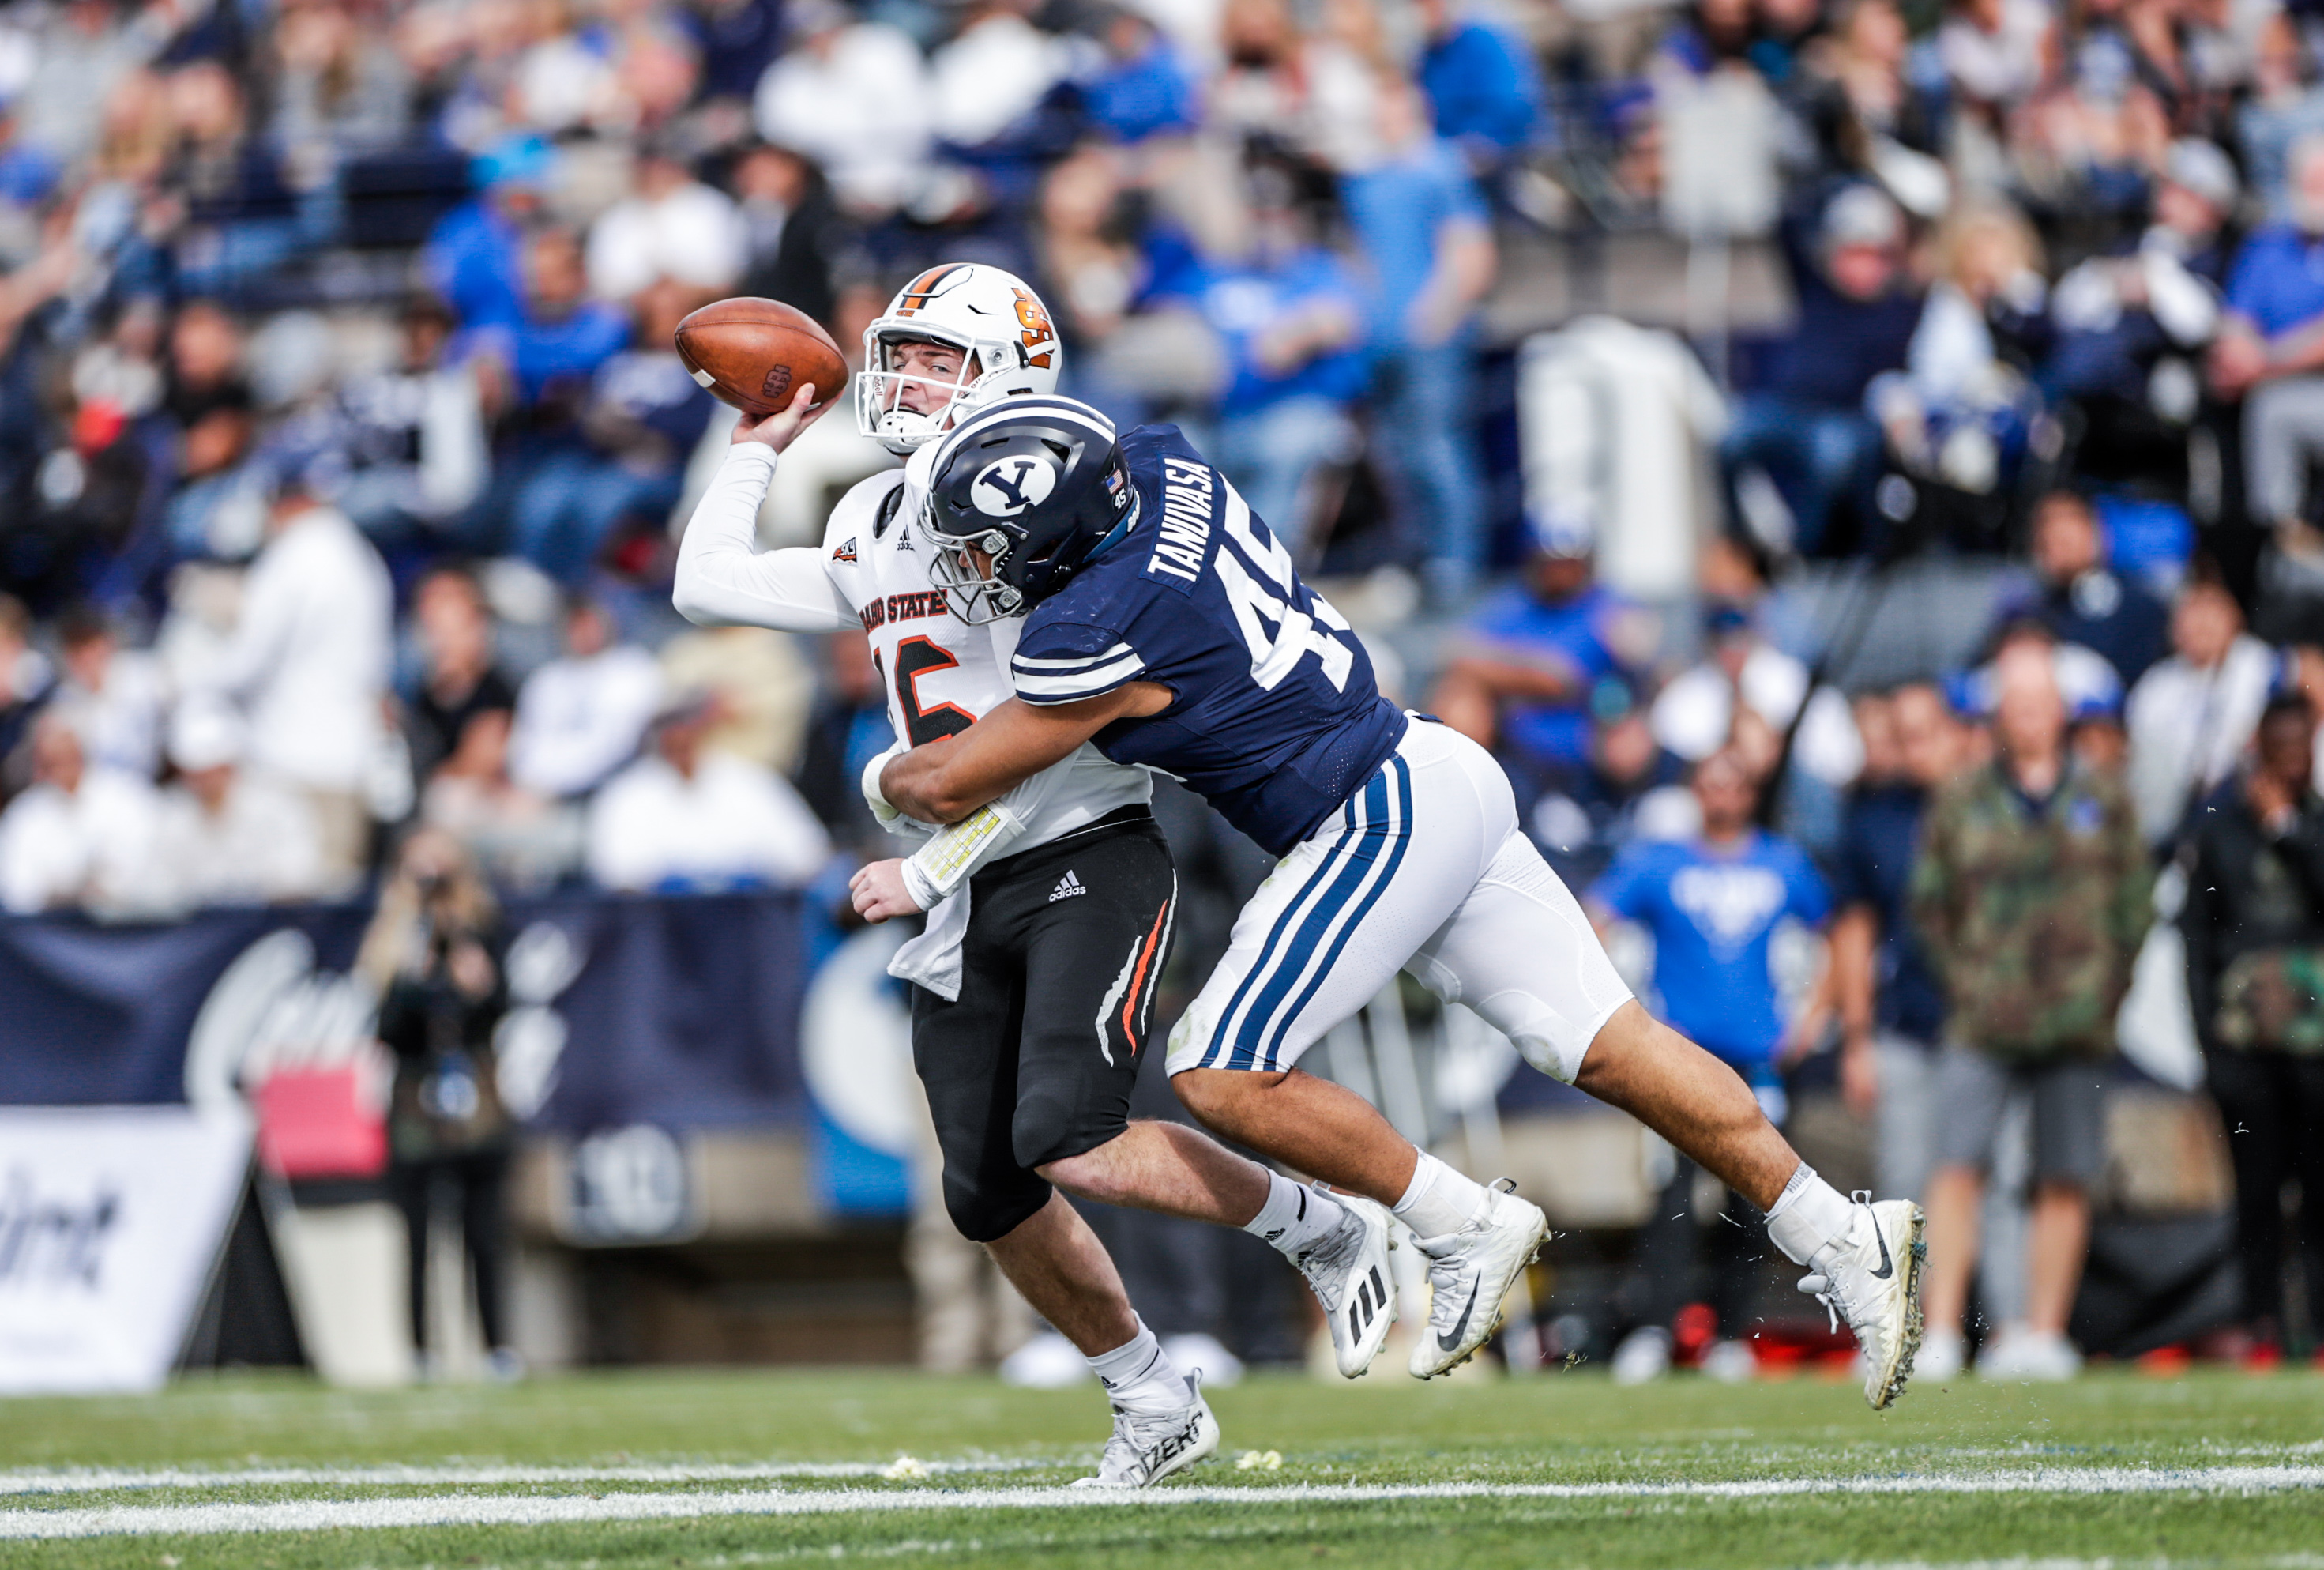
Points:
(1008, 486)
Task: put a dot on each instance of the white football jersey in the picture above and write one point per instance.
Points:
(939, 673)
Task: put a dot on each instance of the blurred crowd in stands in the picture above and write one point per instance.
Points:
(342, 445)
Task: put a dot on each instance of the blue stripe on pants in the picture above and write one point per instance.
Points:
(1374, 798)
(1289, 960)
(1403, 841)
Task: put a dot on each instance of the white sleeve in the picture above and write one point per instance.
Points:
(23, 886)
(2183, 305)
(260, 631)
(622, 845)
(725, 580)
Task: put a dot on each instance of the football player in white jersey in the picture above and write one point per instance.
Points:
(1050, 908)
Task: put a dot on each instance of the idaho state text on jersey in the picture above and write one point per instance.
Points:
(904, 607)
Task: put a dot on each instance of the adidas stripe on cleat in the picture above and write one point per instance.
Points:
(1348, 1268)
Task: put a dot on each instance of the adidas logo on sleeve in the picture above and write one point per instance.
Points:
(1068, 887)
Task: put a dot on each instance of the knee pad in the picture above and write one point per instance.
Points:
(984, 1207)
(1052, 1124)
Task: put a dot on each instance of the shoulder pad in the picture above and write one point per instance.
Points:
(886, 514)
(854, 515)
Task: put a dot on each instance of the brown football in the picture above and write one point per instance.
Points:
(753, 353)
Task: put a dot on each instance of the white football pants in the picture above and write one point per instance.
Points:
(1424, 869)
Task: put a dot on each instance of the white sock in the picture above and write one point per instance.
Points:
(1138, 1376)
(1440, 1200)
(1293, 1217)
(1808, 1216)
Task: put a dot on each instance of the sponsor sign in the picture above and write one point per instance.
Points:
(111, 1221)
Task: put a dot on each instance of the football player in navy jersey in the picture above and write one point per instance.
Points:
(1161, 621)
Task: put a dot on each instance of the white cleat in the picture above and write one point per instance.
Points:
(1873, 1281)
(1348, 1268)
(1470, 1272)
(1144, 1450)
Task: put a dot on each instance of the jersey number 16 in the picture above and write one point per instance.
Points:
(915, 658)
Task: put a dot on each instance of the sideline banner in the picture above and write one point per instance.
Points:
(111, 1220)
(680, 1011)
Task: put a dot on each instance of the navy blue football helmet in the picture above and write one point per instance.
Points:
(1031, 486)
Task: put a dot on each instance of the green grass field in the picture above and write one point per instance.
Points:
(746, 1467)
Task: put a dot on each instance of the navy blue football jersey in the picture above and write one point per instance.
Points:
(1278, 719)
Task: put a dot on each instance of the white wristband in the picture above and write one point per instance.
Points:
(872, 797)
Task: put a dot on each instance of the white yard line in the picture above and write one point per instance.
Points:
(506, 1509)
(101, 1480)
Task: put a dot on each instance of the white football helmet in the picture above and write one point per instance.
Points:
(1008, 348)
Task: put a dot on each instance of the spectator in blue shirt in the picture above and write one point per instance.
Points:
(1421, 225)
(473, 260)
(536, 372)
(1632, 789)
(640, 420)
(1806, 427)
(1482, 87)
(2269, 351)
(1290, 317)
(1713, 905)
(2084, 599)
(1521, 672)
(560, 336)
(1146, 88)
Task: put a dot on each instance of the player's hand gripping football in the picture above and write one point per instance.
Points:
(782, 428)
(879, 893)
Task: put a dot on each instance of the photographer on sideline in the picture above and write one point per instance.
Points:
(433, 954)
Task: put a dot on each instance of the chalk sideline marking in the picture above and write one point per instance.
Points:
(107, 1480)
(505, 1509)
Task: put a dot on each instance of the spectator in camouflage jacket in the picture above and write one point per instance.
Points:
(2254, 927)
(2032, 890)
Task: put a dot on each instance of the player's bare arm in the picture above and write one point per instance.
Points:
(946, 780)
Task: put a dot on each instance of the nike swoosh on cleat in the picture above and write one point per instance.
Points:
(1447, 1342)
(1888, 1266)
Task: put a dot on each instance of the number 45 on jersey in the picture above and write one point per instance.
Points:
(1260, 585)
